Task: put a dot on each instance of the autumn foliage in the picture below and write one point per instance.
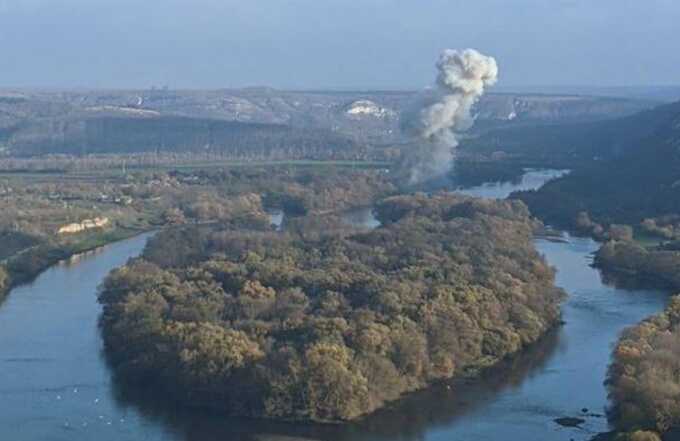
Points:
(644, 378)
(334, 325)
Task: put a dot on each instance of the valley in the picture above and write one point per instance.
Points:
(339, 221)
(516, 398)
(215, 208)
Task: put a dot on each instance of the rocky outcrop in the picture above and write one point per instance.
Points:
(87, 224)
(363, 108)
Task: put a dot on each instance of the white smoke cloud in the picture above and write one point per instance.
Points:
(461, 81)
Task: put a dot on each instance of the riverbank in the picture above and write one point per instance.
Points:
(30, 263)
(53, 376)
(54, 383)
(642, 379)
(630, 262)
(519, 399)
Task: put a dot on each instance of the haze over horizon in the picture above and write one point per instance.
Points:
(311, 44)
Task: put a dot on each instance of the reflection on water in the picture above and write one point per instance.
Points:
(517, 400)
(77, 259)
(361, 218)
(276, 219)
(56, 385)
(531, 180)
(409, 419)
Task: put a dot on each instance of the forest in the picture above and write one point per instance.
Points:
(643, 379)
(573, 145)
(322, 321)
(330, 327)
(304, 220)
(623, 191)
(174, 134)
(631, 262)
(627, 185)
(4, 282)
(36, 206)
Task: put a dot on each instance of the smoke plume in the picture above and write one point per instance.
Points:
(461, 80)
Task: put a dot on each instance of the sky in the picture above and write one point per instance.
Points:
(332, 44)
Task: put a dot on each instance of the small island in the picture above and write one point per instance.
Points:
(330, 327)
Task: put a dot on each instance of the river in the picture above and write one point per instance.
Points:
(55, 383)
(531, 180)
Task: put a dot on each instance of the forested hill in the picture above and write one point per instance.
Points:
(567, 144)
(641, 180)
(72, 122)
(171, 134)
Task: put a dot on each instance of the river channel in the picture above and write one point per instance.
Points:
(55, 383)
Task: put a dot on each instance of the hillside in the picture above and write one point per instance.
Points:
(637, 175)
(137, 134)
(35, 122)
(573, 143)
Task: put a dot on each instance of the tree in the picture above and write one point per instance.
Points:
(620, 232)
(642, 435)
(3, 279)
(208, 354)
(336, 390)
(331, 324)
(643, 381)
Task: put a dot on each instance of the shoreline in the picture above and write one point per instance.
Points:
(52, 255)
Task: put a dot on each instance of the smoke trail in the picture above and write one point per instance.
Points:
(461, 80)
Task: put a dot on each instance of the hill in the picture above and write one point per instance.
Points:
(37, 122)
(154, 133)
(575, 143)
(637, 175)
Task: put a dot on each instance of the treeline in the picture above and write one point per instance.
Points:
(626, 186)
(297, 191)
(622, 192)
(35, 208)
(12, 242)
(643, 380)
(665, 227)
(330, 326)
(236, 140)
(630, 261)
(575, 144)
(27, 264)
(319, 191)
(4, 282)
(39, 205)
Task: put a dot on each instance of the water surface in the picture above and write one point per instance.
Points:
(531, 180)
(55, 383)
(360, 217)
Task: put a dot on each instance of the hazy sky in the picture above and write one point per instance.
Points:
(333, 43)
